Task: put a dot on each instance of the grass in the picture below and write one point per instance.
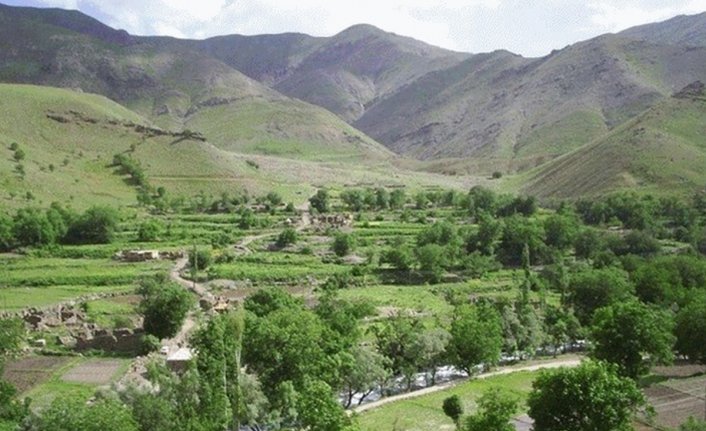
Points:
(70, 162)
(425, 413)
(660, 152)
(55, 387)
(39, 282)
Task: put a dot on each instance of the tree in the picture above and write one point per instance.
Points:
(587, 243)
(319, 411)
(287, 237)
(691, 330)
(395, 339)
(290, 345)
(320, 201)
(343, 316)
(430, 346)
(596, 288)
(453, 409)
(518, 233)
(266, 301)
(363, 373)
(632, 336)
(561, 325)
(32, 228)
(590, 397)
(95, 226)
(164, 306)
(495, 409)
(19, 155)
(218, 346)
(489, 232)
(12, 333)
(74, 414)
(399, 256)
(431, 262)
(476, 337)
(343, 244)
(397, 199)
(200, 258)
(7, 239)
(560, 231)
(354, 199)
(481, 199)
(149, 231)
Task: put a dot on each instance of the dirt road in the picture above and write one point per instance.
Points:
(558, 363)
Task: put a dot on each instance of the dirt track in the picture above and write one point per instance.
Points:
(558, 363)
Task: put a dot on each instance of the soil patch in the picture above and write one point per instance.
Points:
(26, 373)
(93, 372)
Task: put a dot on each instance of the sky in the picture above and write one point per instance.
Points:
(529, 27)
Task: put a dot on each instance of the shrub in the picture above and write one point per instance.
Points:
(342, 244)
(201, 258)
(149, 231)
(149, 344)
(287, 237)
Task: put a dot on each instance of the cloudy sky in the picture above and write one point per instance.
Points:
(527, 27)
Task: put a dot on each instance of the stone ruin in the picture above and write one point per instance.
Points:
(147, 255)
(82, 335)
(118, 340)
(332, 220)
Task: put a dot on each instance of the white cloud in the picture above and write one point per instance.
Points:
(527, 27)
(611, 16)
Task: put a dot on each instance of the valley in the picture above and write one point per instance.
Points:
(345, 233)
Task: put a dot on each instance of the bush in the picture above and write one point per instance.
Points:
(287, 237)
(149, 231)
(96, 226)
(342, 244)
(149, 344)
(201, 258)
(497, 175)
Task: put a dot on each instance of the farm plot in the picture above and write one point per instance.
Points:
(26, 373)
(94, 372)
(676, 400)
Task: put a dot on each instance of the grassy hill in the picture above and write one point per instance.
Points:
(69, 139)
(172, 84)
(660, 151)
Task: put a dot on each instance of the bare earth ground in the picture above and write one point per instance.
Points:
(26, 373)
(679, 397)
(94, 372)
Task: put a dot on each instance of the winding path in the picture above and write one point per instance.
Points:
(136, 372)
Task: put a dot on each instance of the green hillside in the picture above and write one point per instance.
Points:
(661, 151)
(173, 84)
(69, 139)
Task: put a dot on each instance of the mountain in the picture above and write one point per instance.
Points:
(337, 99)
(502, 106)
(346, 74)
(171, 84)
(662, 150)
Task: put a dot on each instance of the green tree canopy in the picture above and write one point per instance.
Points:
(476, 337)
(590, 397)
(164, 306)
(633, 336)
(495, 409)
(592, 289)
(691, 330)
